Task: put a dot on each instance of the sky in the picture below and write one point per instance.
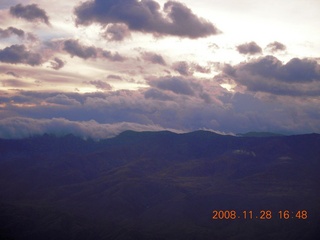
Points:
(95, 68)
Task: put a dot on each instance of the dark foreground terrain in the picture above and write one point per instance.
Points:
(160, 185)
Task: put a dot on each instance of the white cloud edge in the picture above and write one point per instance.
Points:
(23, 127)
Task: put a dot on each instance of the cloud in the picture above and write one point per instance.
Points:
(5, 33)
(187, 69)
(12, 74)
(157, 94)
(300, 70)
(213, 46)
(62, 99)
(183, 68)
(236, 112)
(101, 85)
(198, 68)
(250, 48)
(30, 12)
(57, 63)
(117, 32)
(32, 38)
(153, 58)
(145, 16)
(19, 54)
(114, 57)
(14, 83)
(19, 127)
(74, 48)
(114, 77)
(275, 47)
(298, 77)
(175, 84)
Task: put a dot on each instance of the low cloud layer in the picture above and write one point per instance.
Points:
(172, 103)
(146, 16)
(26, 127)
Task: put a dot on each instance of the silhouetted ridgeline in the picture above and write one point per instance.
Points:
(159, 185)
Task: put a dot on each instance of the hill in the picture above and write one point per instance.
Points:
(160, 185)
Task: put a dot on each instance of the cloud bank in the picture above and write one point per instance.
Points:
(176, 19)
(297, 77)
(18, 127)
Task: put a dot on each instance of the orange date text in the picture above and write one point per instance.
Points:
(259, 215)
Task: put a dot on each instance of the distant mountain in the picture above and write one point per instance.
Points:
(160, 185)
(259, 134)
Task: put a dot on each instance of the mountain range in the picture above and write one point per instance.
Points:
(160, 185)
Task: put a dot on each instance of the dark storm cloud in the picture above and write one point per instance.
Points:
(19, 54)
(276, 46)
(117, 32)
(146, 16)
(74, 48)
(153, 58)
(250, 48)
(5, 33)
(101, 85)
(268, 74)
(57, 63)
(30, 12)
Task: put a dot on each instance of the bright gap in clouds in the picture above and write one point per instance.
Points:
(228, 86)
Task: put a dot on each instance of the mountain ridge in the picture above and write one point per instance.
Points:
(160, 185)
(164, 132)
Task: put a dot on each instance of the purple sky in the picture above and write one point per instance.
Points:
(96, 68)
